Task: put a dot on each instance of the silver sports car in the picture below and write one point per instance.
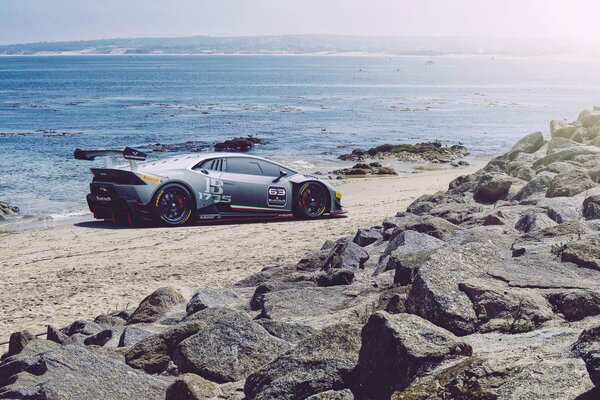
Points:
(187, 188)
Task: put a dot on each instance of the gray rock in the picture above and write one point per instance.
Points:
(406, 265)
(343, 260)
(154, 353)
(435, 293)
(561, 129)
(345, 394)
(132, 335)
(588, 348)
(396, 348)
(492, 187)
(156, 305)
(84, 327)
(560, 143)
(575, 304)
(322, 362)
(256, 302)
(191, 387)
(229, 349)
(7, 209)
(500, 307)
(589, 118)
(206, 298)
(493, 218)
(538, 185)
(518, 376)
(72, 372)
(591, 207)
(365, 237)
(569, 184)
(335, 277)
(346, 254)
(100, 338)
(17, 342)
(433, 226)
(107, 321)
(585, 253)
(55, 335)
(564, 155)
(456, 213)
(410, 241)
(561, 209)
(530, 143)
(533, 221)
(318, 307)
(289, 332)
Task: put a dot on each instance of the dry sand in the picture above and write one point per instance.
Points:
(59, 274)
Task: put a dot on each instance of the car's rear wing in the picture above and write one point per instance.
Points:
(128, 153)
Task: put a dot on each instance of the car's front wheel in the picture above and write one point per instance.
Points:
(173, 205)
(311, 200)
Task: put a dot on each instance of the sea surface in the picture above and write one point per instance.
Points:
(309, 109)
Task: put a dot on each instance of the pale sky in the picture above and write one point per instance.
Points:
(24, 21)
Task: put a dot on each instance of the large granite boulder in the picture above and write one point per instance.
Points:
(154, 353)
(325, 361)
(228, 349)
(530, 143)
(207, 297)
(191, 387)
(569, 184)
(156, 305)
(492, 187)
(73, 372)
(396, 348)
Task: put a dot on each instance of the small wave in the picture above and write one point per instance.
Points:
(69, 214)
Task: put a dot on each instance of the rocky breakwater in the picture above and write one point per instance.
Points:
(7, 209)
(488, 290)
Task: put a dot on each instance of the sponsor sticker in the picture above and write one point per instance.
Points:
(151, 179)
(277, 196)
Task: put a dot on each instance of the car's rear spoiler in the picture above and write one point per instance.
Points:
(128, 153)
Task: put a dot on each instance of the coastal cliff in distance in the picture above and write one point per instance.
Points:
(308, 44)
(488, 290)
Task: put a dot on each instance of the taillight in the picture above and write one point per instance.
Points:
(117, 176)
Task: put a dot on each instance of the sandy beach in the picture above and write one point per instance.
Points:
(54, 275)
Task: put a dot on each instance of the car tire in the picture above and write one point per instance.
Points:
(311, 200)
(173, 205)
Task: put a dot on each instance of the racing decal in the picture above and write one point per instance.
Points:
(214, 190)
(151, 179)
(277, 196)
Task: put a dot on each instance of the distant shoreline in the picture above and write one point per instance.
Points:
(314, 54)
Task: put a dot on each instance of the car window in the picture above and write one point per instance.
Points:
(241, 165)
(214, 164)
(269, 169)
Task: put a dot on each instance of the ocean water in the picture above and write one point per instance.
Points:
(309, 109)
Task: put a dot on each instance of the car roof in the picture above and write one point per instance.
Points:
(184, 161)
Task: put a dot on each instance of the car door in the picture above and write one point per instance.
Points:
(209, 184)
(254, 187)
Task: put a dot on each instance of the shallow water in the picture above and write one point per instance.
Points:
(310, 109)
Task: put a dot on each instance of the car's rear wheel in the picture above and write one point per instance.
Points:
(311, 200)
(173, 205)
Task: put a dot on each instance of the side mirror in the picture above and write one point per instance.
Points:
(282, 173)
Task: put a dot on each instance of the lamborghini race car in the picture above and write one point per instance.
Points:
(181, 189)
